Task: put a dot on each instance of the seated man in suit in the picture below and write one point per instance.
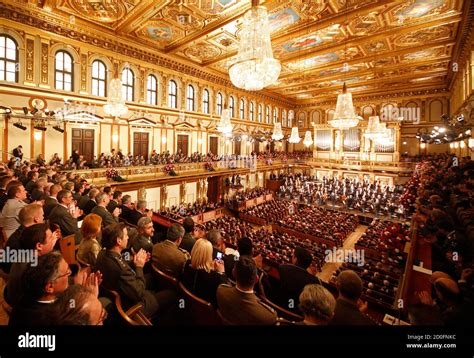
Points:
(118, 275)
(126, 207)
(167, 255)
(139, 212)
(294, 277)
(42, 284)
(317, 305)
(102, 200)
(349, 307)
(61, 216)
(239, 305)
(92, 202)
(115, 202)
(188, 240)
(16, 201)
(52, 201)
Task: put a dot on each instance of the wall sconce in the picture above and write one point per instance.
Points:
(115, 138)
(422, 145)
(163, 140)
(456, 145)
(38, 135)
(462, 144)
(199, 141)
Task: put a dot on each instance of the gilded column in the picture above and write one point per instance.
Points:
(83, 88)
(163, 196)
(182, 192)
(30, 60)
(44, 80)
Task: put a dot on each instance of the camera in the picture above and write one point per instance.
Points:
(220, 255)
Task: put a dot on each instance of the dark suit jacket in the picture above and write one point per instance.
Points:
(188, 242)
(240, 308)
(347, 313)
(33, 314)
(112, 205)
(134, 216)
(292, 281)
(125, 214)
(61, 216)
(169, 258)
(91, 204)
(107, 218)
(49, 205)
(82, 202)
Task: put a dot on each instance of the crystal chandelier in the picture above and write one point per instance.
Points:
(225, 127)
(344, 116)
(375, 129)
(255, 67)
(295, 136)
(115, 106)
(307, 139)
(277, 132)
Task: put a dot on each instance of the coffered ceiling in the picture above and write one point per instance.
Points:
(374, 46)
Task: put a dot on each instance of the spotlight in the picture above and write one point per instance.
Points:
(7, 110)
(460, 118)
(34, 111)
(25, 110)
(40, 128)
(59, 129)
(19, 125)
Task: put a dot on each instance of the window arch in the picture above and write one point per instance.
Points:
(242, 108)
(9, 59)
(128, 87)
(172, 94)
(267, 114)
(232, 107)
(275, 115)
(99, 79)
(251, 111)
(260, 109)
(152, 90)
(205, 101)
(63, 73)
(219, 104)
(190, 98)
(283, 118)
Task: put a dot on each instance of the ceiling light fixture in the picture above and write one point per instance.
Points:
(255, 67)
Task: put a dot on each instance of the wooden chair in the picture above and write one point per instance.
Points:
(164, 280)
(133, 316)
(201, 312)
(67, 245)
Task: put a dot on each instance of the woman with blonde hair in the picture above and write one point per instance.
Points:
(202, 275)
(89, 247)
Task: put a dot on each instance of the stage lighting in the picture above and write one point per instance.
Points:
(19, 125)
(34, 111)
(59, 129)
(460, 118)
(40, 128)
(25, 110)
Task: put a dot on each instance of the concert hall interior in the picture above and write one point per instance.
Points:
(236, 162)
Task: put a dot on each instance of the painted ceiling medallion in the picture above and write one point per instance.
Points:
(100, 10)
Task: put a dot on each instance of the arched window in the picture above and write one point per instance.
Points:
(205, 101)
(99, 79)
(283, 118)
(260, 109)
(267, 114)
(172, 94)
(231, 107)
(219, 104)
(190, 99)
(251, 110)
(242, 109)
(63, 71)
(275, 115)
(152, 90)
(9, 65)
(128, 88)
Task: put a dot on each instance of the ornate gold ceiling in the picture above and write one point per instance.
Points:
(371, 45)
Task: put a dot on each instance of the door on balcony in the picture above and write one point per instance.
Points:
(83, 140)
(182, 144)
(140, 144)
(213, 145)
(238, 147)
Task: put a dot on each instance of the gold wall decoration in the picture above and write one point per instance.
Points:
(44, 62)
(84, 72)
(30, 60)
